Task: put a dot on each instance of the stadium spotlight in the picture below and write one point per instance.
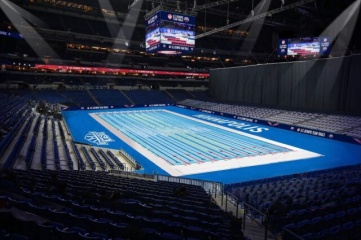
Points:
(254, 29)
(24, 21)
(124, 33)
(133, 4)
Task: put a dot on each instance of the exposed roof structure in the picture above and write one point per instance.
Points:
(230, 27)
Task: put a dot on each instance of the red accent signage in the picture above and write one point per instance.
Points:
(118, 70)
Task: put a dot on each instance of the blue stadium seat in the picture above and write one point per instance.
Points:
(14, 236)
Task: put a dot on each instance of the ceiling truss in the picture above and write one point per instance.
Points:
(256, 17)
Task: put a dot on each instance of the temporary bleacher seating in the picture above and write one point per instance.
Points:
(81, 163)
(43, 156)
(107, 159)
(21, 139)
(88, 158)
(69, 160)
(56, 148)
(349, 125)
(115, 160)
(99, 160)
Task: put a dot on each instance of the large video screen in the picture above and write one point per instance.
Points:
(170, 33)
(11, 34)
(308, 46)
(152, 40)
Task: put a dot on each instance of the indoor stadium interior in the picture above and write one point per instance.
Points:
(180, 119)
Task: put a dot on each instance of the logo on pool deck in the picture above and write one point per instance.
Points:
(98, 138)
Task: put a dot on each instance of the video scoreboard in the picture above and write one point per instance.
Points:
(170, 33)
(308, 46)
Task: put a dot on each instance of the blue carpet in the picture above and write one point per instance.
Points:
(335, 153)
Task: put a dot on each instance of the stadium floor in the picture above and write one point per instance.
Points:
(181, 142)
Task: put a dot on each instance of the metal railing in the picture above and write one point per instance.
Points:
(264, 219)
(128, 157)
(230, 199)
(292, 235)
(213, 188)
(132, 174)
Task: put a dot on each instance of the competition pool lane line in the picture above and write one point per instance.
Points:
(184, 145)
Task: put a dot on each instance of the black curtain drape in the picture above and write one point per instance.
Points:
(315, 85)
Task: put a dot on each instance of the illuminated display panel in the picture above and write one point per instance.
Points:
(170, 33)
(309, 46)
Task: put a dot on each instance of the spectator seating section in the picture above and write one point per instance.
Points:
(314, 205)
(201, 95)
(69, 160)
(179, 94)
(86, 204)
(149, 97)
(108, 97)
(35, 133)
(19, 143)
(114, 158)
(50, 96)
(334, 123)
(349, 125)
(81, 97)
(11, 127)
(355, 132)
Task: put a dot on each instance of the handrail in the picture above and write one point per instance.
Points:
(249, 206)
(232, 199)
(209, 186)
(132, 174)
(294, 235)
(137, 166)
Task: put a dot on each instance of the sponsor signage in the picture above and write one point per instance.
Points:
(62, 68)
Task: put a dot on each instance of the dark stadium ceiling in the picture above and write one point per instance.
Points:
(320, 11)
(316, 14)
(308, 18)
(214, 13)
